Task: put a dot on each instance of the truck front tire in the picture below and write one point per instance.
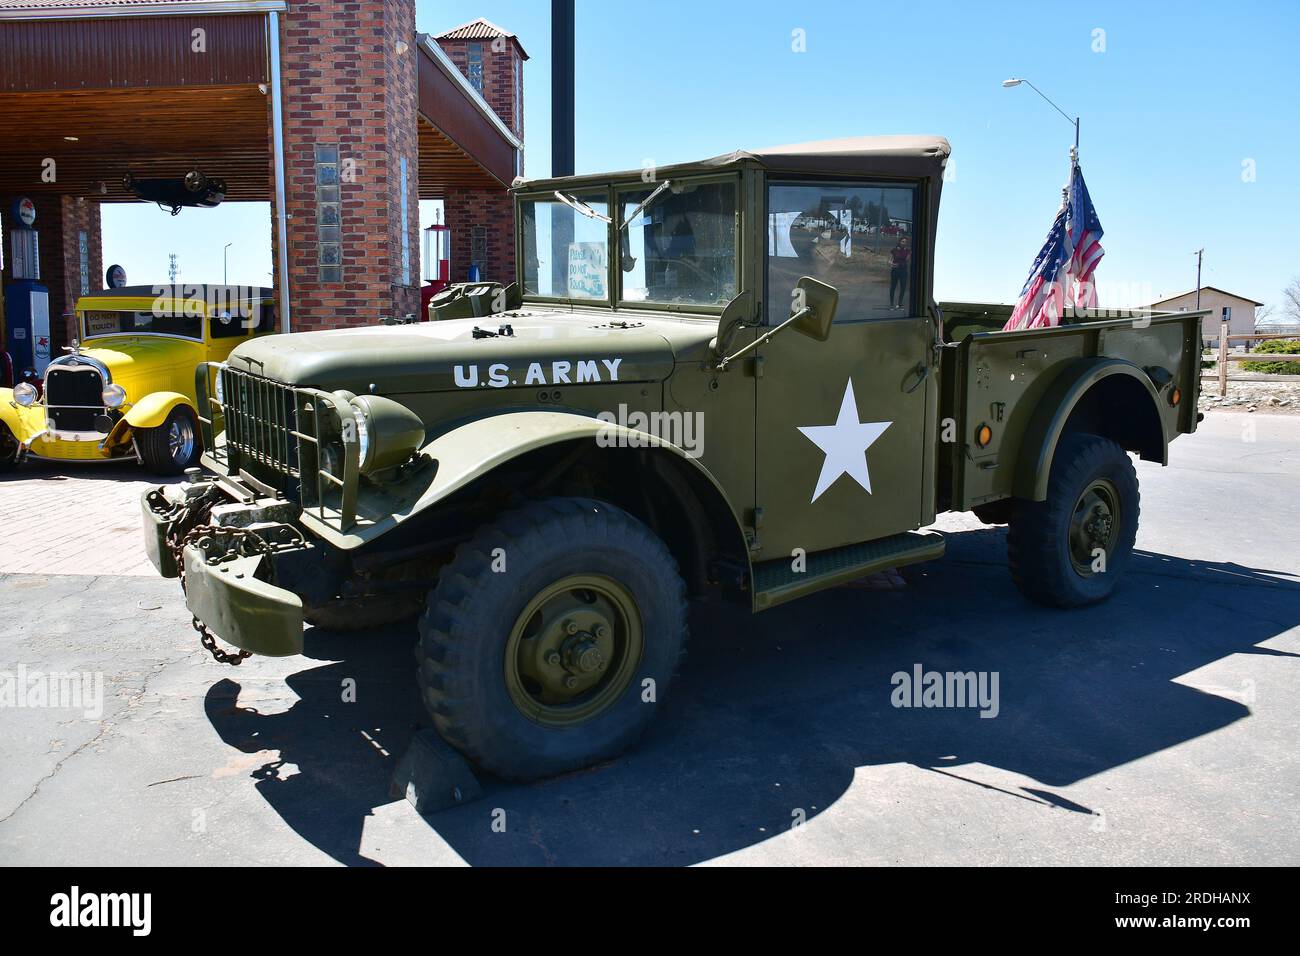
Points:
(551, 638)
(1071, 549)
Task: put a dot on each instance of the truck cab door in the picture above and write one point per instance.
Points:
(843, 425)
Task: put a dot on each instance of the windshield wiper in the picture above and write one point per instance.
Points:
(579, 206)
(627, 220)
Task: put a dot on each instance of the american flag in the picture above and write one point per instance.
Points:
(1062, 273)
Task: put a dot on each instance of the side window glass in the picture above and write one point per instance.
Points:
(858, 238)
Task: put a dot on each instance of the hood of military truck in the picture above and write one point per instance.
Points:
(547, 348)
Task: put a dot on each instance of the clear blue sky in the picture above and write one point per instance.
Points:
(1181, 96)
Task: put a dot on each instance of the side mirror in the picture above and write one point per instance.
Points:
(814, 311)
(820, 300)
(738, 312)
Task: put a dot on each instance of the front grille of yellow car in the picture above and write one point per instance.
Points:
(73, 398)
(261, 418)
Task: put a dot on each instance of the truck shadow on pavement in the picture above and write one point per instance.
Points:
(771, 715)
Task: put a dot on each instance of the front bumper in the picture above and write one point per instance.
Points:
(226, 588)
(30, 428)
(239, 608)
(157, 521)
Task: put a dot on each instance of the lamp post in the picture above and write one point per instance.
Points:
(1016, 81)
(225, 264)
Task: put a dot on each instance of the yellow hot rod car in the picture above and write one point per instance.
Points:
(125, 390)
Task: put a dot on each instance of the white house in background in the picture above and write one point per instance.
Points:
(1237, 309)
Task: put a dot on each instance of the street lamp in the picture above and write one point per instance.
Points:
(225, 267)
(1016, 81)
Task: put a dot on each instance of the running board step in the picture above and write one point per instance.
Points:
(776, 582)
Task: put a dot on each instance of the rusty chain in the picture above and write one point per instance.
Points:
(196, 535)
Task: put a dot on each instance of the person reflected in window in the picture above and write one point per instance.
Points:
(900, 260)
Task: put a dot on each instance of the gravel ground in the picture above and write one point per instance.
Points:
(1276, 397)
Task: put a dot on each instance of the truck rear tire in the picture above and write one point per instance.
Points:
(551, 638)
(1071, 549)
(173, 446)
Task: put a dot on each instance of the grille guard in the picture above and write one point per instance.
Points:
(261, 431)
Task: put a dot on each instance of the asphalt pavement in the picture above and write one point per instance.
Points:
(1157, 728)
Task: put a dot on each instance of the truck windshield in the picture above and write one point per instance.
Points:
(681, 248)
(566, 253)
(142, 323)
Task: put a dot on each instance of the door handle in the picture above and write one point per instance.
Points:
(923, 371)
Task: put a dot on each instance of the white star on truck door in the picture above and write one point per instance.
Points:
(845, 444)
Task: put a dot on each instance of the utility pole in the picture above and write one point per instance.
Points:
(562, 136)
(1200, 253)
(172, 270)
(562, 88)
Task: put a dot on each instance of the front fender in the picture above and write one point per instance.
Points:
(152, 410)
(25, 422)
(472, 450)
(1034, 467)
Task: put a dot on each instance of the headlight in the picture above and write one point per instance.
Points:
(113, 396)
(331, 461)
(219, 390)
(388, 433)
(363, 438)
(25, 394)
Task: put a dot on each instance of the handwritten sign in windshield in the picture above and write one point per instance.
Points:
(587, 270)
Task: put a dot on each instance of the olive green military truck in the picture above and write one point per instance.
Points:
(727, 376)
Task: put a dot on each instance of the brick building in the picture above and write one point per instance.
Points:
(339, 114)
(493, 61)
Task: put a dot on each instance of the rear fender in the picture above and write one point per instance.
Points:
(1063, 397)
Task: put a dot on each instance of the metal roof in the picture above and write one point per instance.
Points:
(1205, 288)
(84, 9)
(481, 29)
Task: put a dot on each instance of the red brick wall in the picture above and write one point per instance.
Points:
(499, 59)
(491, 209)
(77, 215)
(346, 85)
(494, 210)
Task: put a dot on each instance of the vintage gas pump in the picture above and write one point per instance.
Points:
(27, 302)
(437, 264)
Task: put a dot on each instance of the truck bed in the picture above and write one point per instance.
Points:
(1095, 373)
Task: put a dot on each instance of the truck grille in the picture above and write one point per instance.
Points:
(73, 397)
(287, 439)
(261, 418)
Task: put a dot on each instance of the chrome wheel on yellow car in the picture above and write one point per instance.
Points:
(173, 446)
(8, 448)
